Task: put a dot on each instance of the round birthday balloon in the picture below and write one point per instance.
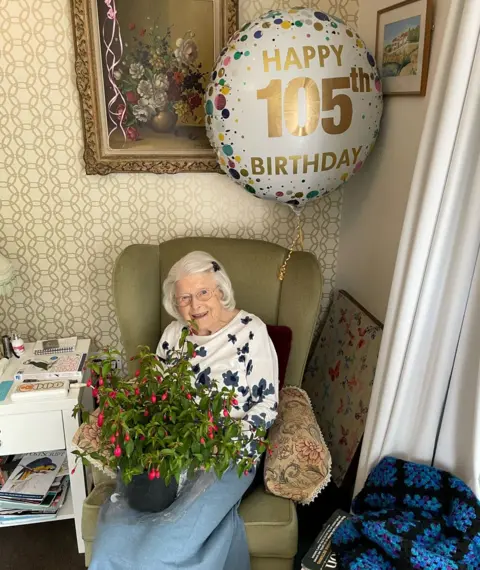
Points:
(294, 105)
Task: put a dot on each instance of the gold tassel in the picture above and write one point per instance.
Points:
(297, 240)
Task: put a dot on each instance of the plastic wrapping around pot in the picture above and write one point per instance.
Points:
(150, 496)
(118, 510)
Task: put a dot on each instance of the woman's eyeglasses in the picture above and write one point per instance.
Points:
(202, 295)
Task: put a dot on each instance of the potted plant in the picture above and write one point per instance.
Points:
(159, 424)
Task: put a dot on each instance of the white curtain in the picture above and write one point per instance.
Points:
(425, 402)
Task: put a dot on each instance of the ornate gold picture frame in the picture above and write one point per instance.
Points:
(141, 72)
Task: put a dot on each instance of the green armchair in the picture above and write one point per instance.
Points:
(271, 522)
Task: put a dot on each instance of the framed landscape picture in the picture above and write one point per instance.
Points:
(142, 67)
(404, 33)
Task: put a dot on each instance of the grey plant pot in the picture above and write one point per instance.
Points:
(150, 496)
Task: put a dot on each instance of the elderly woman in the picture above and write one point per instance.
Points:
(233, 348)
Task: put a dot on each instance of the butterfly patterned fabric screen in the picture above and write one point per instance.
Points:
(339, 378)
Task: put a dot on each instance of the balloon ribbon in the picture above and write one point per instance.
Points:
(297, 240)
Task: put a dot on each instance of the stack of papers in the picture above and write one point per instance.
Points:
(33, 486)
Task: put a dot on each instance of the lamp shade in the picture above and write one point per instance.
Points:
(7, 276)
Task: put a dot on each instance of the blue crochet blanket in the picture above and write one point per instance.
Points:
(411, 516)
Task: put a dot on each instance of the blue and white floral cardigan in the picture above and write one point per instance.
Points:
(241, 356)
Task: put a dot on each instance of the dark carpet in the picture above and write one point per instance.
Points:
(54, 545)
(40, 547)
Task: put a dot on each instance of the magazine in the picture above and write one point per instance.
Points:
(320, 556)
(33, 477)
(50, 505)
(51, 367)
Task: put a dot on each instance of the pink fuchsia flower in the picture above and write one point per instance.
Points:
(117, 451)
(310, 451)
(164, 396)
(132, 134)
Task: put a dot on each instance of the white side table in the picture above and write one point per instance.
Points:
(45, 426)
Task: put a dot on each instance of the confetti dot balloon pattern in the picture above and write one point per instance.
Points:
(293, 106)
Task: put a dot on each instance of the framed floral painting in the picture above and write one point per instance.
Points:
(141, 69)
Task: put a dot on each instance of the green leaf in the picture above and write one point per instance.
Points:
(167, 452)
(85, 416)
(106, 368)
(129, 447)
(217, 406)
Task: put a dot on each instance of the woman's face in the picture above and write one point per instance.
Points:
(209, 314)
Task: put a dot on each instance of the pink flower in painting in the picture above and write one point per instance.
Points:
(194, 101)
(131, 96)
(132, 134)
(310, 451)
(131, 26)
(121, 112)
(142, 32)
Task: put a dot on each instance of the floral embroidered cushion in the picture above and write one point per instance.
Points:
(340, 375)
(299, 466)
(87, 438)
(281, 337)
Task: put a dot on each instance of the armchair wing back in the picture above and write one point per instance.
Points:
(252, 266)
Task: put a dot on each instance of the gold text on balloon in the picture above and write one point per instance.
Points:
(304, 163)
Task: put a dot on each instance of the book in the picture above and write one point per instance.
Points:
(5, 389)
(7, 520)
(33, 476)
(55, 346)
(321, 556)
(51, 367)
(42, 389)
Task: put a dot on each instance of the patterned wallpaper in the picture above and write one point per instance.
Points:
(63, 229)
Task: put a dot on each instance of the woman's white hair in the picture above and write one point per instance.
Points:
(192, 263)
